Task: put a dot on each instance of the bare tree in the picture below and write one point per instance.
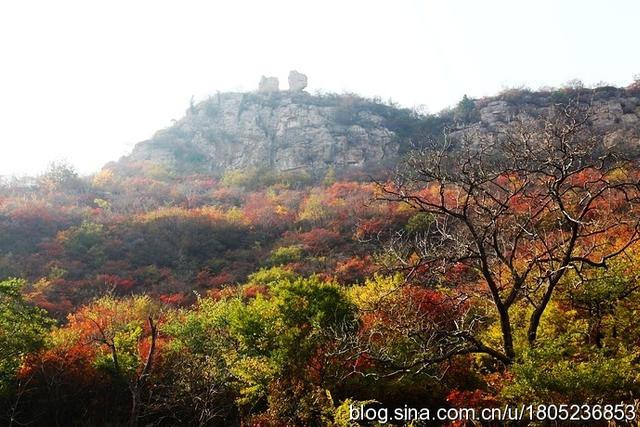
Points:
(519, 206)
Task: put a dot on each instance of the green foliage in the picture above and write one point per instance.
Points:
(82, 239)
(159, 172)
(419, 223)
(23, 329)
(555, 373)
(560, 97)
(196, 364)
(61, 176)
(126, 340)
(289, 324)
(566, 366)
(85, 242)
(254, 178)
(267, 276)
(278, 348)
(311, 303)
(314, 210)
(329, 177)
(466, 111)
(259, 340)
(286, 254)
(410, 126)
(604, 287)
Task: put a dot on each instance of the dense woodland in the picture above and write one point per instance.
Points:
(489, 269)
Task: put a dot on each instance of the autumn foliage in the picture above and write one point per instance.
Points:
(503, 274)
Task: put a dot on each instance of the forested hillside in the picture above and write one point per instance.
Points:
(273, 258)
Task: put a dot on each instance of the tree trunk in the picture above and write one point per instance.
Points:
(137, 385)
(507, 334)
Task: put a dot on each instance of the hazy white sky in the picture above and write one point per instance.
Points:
(85, 80)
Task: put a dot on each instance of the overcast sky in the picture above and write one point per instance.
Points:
(85, 80)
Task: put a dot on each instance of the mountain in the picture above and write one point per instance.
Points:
(292, 130)
(612, 112)
(278, 130)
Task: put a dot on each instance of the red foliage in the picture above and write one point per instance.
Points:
(176, 299)
(437, 306)
(319, 240)
(202, 278)
(345, 189)
(228, 196)
(261, 210)
(116, 282)
(221, 279)
(253, 291)
(52, 248)
(471, 399)
(205, 279)
(363, 362)
(458, 274)
(354, 269)
(52, 365)
(370, 227)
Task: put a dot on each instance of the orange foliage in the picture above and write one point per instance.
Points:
(253, 291)
(319, 240)
(354, 269)
(176, 299)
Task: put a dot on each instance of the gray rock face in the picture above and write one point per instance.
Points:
(495, 112)
(615, 113)
(293, 130)
(282, 131)
(268, 84)
(297, 81)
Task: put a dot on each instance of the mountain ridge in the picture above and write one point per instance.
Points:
(292, 130)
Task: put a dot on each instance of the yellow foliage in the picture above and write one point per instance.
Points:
(209, 212)
(103, 178)
(235, 215)
(375, 291)
(313, 210)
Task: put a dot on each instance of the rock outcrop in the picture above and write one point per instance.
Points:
(297, 81)
(614, 112)
(268, 84)
(293, 130)
(282, 131)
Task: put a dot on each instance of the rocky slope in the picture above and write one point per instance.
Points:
(280, 130)
(293, 130)
(614, 112)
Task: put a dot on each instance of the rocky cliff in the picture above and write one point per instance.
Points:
(293, 130)
(613, 112)
(279, 130)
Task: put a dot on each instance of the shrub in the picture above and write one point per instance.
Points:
(285, 255)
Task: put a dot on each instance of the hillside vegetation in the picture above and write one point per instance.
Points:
(483, 256)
